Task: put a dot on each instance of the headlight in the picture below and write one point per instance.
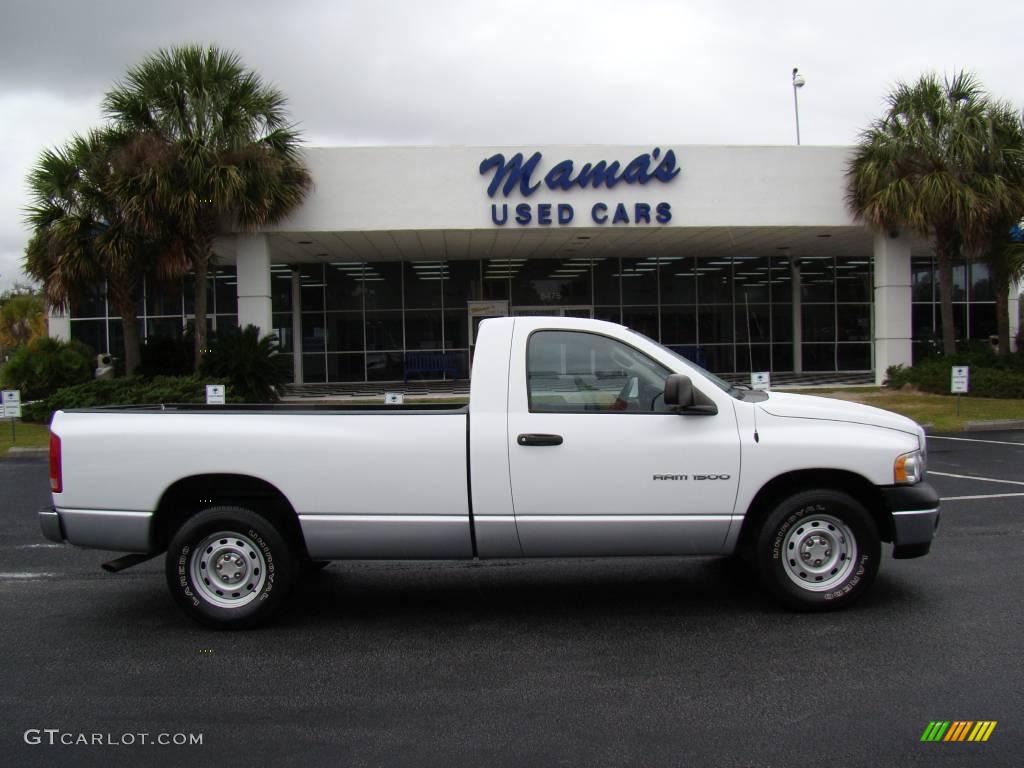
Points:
(909, 468)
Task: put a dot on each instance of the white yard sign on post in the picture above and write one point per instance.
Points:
(959, 380)
(958, 383)
(394, 398)
(760, 380)
(215, 394)
(11, 402)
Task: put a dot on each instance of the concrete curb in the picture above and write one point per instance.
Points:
(22, 451)
(991, 426)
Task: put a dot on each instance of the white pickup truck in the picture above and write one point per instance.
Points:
(581, 439)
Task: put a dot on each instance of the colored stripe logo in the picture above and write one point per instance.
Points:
(958, 730)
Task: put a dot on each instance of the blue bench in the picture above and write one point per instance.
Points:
(429, 362)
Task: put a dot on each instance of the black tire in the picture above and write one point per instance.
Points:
(817, 550)
(229, 568)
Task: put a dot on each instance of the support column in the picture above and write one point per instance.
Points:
(892, 303)
(1014, 302)
(797, 320)
(253, 265)
(296, 325)
(58, 325)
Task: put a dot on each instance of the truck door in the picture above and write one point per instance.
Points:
(599, 465)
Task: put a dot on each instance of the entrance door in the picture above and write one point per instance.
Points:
(567, 311)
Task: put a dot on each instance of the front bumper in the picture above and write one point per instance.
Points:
(118, 530)
(915, 518)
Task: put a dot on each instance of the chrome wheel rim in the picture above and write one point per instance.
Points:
(228, 569)
(819, 552)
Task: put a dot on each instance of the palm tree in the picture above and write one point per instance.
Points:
(80, 236)
(919, 167)
(1003, 165)
(22, 319)
(213, 151)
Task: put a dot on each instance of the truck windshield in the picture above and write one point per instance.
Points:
(720, 383)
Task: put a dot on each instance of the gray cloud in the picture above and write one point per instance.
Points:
(523, 72)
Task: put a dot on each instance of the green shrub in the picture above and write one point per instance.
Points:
(44, 365)
(249, 366)
(131, 391)
(990, 376)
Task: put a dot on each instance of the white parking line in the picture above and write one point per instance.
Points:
(24, 575)
(984, 496)
(975, 440)
(972, 477)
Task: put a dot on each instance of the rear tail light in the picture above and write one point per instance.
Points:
(56, 476)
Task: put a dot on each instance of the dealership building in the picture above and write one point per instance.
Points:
(742, 258)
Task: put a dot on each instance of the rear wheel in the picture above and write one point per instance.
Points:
(818, 550)
(229, 568)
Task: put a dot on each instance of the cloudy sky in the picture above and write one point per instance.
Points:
(524, 72)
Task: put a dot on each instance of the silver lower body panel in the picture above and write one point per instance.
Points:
(115, 530)
(387, 537)
(621, 535)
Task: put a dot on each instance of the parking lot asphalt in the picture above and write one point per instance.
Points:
(662, 661)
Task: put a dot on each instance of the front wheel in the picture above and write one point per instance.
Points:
(229, 568)
(818, 550)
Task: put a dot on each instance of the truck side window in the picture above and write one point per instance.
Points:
(579, 372)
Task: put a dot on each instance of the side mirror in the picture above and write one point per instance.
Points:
(678, 390)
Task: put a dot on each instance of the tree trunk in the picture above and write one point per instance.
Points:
(945, 250)
(200, 262)
(123, 297)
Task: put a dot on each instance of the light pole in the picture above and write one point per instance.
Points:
(798, 82)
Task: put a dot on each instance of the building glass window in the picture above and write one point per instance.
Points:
(314, 333)
(552, 282)
(344, 332)
(281, 288)
(981, 284)
(607, 287)
(89, 302)
(714, 325)
(384, 330)
(382, 283)
(677, 280)
(753, 279)
(678, 325)
(423, 284)
(311, 287)
(92, 333)
(639, 281)
(344, 286)
(922, 279)
(383, 366)
(423, 329)
(346, 367)
(456, 329)
(225, 291)
(462, 284)
(496, 278)
(714, 281)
